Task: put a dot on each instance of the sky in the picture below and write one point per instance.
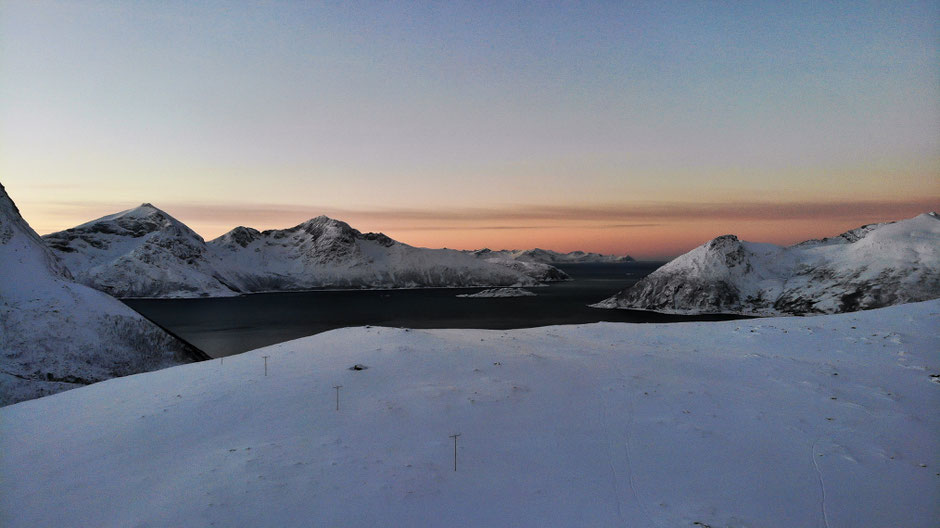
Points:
(641, 128)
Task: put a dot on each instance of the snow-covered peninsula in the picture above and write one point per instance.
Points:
(870, 267)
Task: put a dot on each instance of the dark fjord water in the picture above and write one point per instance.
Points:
(225, 326)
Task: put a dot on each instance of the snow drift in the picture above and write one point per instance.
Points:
(869, 267)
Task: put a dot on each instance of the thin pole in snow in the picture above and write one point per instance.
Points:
(221, 360)
(337, 387)
(454, 436)
(265, 364)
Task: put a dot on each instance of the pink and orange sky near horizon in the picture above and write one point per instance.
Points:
(649, 231)
(628, 128)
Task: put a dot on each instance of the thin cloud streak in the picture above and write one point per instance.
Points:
(516, 228)
(614, 215)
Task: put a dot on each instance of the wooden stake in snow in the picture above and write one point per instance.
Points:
(454, 436)
(337, 387)
(265, 364)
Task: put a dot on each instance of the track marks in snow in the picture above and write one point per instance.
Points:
(622, 444)
(822, 486)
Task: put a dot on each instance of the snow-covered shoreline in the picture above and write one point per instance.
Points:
(498, 293)
(775, 422)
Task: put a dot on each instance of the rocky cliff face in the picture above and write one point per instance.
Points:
(869, 267)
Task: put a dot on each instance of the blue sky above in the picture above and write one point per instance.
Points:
(381, 106)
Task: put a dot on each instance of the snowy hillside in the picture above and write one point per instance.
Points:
(869, 267)
(323, 252)
(56, 334)
(546, 256)
(772, 423)
(141, 252)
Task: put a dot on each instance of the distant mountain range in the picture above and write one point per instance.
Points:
(56, 334)
(546, 256)
(870, 267)
(145, 252)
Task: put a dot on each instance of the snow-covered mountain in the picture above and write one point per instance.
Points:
(546, 256)
(145, 252)
(56, 334)
(538, 270)
(772, 423)
(323, 252)
(869, 267)
(141, 252)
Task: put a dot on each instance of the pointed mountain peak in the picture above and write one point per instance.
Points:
(722, 242)
(324, 220)
(241, 235)
(324, 224)
(135, 222)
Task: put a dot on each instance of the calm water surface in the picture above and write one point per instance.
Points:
(231, 325)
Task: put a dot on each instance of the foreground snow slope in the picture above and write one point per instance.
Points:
(869, 267)
(57, 335)
(826, 421)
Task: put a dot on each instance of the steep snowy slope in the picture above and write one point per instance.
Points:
(869, 267)
(772, 423)
(546, 256)
(323, 252)
(141, 252)
(55, 334)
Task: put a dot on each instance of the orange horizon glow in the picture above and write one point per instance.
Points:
(647, 231)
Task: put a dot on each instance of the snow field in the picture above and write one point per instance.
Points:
(823, 421)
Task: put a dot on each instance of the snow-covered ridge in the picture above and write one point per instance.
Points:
(772, 423)
(546, 256)
(145, 252)
(55, 334)
(870, 267)
(328, 253)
